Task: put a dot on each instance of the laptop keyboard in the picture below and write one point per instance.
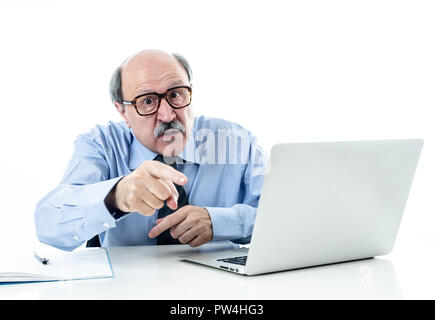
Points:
(236, 260)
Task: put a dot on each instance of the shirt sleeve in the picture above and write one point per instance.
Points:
(236, 223)
(75, 211)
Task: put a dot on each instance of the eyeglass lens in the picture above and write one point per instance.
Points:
(177, 98)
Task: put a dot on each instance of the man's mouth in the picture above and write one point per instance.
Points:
(170, 134)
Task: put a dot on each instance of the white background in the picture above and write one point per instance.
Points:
(288, 71)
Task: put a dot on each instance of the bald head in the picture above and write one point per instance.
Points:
(147, 60)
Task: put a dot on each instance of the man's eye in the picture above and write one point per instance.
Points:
(174, 95)
(148, 101)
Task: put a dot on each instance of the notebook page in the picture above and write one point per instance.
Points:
(83, 263)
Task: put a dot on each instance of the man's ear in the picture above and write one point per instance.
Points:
(121, 109)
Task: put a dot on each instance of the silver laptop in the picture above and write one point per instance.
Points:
(324, 203)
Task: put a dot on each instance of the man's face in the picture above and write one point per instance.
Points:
(154, 71)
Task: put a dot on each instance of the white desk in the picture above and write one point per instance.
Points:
(157, 272)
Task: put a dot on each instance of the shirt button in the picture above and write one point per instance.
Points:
(76, 238)
(106, 225)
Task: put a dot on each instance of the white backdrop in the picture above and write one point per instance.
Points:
(288, 71)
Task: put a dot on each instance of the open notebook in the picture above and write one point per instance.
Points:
(84, 263)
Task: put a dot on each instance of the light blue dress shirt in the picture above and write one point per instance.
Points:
(225, 167)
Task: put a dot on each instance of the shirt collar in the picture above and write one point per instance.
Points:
(139, 153)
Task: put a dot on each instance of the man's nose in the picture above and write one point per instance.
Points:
(165, 113)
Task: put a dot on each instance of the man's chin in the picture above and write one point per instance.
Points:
(171, 146)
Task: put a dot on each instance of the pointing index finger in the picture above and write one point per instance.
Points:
(167, 223)
(164, 171)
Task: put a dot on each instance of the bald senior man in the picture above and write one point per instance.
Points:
(161, 176)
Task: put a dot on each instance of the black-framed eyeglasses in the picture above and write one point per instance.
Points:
(148, 103)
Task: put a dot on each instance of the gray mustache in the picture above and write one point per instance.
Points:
(168, 125)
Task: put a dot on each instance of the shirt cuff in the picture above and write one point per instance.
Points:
(232, 223)
(115, 212)
(98, 218)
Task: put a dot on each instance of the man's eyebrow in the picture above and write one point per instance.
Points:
(171, 85)
(177, 83)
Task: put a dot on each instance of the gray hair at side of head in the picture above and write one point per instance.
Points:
(115, 87)
(182, 60)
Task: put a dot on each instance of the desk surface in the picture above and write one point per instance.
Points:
(158, 272)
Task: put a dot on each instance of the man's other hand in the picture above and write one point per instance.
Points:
(189, 224)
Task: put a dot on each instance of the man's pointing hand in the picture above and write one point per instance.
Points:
(147, 188)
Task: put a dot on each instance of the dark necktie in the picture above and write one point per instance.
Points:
(165, 237)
